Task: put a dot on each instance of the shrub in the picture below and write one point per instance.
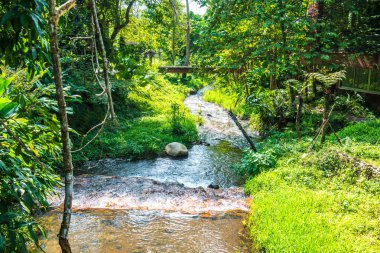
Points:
(253, 163)
(363, 132)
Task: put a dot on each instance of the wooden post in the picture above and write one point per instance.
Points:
(327, 106)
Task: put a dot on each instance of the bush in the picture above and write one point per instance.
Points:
(352, 105)
(157, 124)
(363, 132)
(253, 163)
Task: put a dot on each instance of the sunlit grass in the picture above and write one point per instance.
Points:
(313, 202)
(147, 135)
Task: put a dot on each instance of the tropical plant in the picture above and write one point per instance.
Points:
(29, 148)
(328, 83)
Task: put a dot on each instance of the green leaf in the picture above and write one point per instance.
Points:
(2, 243)
(4, 83)
(7, 217)
(33, 234)
(8, 110)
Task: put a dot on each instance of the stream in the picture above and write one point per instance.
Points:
(164, 204)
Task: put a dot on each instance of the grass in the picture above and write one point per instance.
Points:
(227, 98)
(311, 201)
(146, 135)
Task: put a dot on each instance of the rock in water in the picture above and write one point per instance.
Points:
(176, 149)
(214, 186)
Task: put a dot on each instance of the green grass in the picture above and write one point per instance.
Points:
(227, 98)
(147, 135)
(313, 202)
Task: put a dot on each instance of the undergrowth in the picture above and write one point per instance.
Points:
(312, 200)
(146, 135)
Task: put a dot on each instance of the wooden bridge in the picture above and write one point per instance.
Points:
(178, 69)
(193, 69)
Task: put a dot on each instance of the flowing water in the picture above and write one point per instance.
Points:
(163, 204)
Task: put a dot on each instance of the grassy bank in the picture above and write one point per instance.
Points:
(317, 201)
(161, 119)
(228, 99)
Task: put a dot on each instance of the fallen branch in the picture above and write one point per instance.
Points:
(246, 136)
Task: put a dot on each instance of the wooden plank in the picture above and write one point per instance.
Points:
(177, 69)
(360, 90)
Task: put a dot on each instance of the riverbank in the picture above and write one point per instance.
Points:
(161, 118)
(326, 200)
(192, 204)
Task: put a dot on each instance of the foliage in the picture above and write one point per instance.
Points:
(367, 132)
(315, 201)
(23, 37)
(254, 163)
(352, 104)
(30, 146)
(148, 133)
(177, 118)
(228, 99)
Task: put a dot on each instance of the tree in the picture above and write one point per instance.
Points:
(328, 83)
(118, 23)
(54, 16)
(107, 87)
(187, 63)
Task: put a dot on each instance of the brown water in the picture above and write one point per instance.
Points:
(148, 231)
(164, 204)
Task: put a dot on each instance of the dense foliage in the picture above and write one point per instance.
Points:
(318, 201)
(276, 63)
(29, 151)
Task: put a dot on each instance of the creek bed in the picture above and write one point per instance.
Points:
(162, 204)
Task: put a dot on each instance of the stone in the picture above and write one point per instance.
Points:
(213, 186)
(176, 149)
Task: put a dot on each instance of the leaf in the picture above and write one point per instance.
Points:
(7, 16)
(32, 233)
(34, 53)
(4, 83)
(7, 217)
(2, 243)
(8, 110)
(22, 243)
(36, 19)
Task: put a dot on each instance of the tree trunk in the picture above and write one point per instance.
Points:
(299, 115)
(292, 94)
(118, 26)
(187, 34)
(54, 15)
(105, 61)
(175, 20)
(315, 91)
(326, 112)
(272, 82)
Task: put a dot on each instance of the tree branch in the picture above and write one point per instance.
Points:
(125, 23)
(61, 10)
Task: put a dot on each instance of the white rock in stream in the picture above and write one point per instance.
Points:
(176, 149)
